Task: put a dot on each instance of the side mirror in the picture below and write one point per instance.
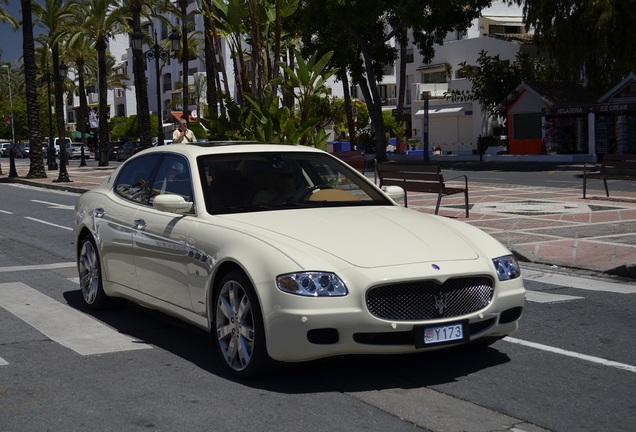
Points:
(171, 203)
(396, 193)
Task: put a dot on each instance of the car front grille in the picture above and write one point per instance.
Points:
(428, 299)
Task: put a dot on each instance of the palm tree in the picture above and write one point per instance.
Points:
(139, 76)
(6, 17)
(51, 15)
(101, 19)
(78, 51)
(210, 60)
(36, 168)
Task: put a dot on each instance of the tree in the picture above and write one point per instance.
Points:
(101, 20)
(211, 76)
(79, 50)
(493, 79)
(51, 15)
(590, 41)
(139, 76)
(36, 168)
(6, 17)
(370, 26)
(185, 55)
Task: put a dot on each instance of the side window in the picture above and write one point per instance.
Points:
(133, 182)
(173, 177)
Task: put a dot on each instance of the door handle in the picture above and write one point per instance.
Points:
(100, 212)
(139, 223)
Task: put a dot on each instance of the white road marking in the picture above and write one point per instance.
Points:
(63, 324)
(486, 178)
(3, 362)
(543, 297)
(48, 223)
(55, 205)
(578, 282)
(37, 267)
(573, 354)
(6, 212)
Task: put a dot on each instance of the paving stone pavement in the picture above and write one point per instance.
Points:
(553, 226)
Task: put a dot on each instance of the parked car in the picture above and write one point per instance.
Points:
(286, 253)
(45, 150)
(113, 147)
(56, 144)
(128, 149)
(74, 150)
(19, 150)
(26, 150)
(165, 142)
(4, 149)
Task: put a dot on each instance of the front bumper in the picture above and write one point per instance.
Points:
(311, 328)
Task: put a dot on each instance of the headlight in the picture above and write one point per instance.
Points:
(312, 284)
(507, 267)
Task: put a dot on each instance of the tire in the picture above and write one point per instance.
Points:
(90, 276)
(238, 328)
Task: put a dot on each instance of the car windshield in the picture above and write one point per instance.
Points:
(245, 182)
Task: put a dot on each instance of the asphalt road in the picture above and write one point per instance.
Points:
(570, 367)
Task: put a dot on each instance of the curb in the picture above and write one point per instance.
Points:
(627, 272)
(66, 186)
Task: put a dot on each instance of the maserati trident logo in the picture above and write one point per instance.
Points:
(441, 301)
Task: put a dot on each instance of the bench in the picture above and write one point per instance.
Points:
(420, 178)
(613, 167)
(356, 158)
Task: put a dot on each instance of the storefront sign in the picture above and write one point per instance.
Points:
(585, 109)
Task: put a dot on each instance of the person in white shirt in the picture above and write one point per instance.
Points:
(183, 134)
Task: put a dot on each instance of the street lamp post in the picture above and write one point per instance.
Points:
(425, 96)
(12, 170)
(52, 164)
(157, 53)
(63, 174)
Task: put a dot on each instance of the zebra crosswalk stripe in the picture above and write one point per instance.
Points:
(63, 324)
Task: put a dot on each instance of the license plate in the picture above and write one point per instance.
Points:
(448, 333)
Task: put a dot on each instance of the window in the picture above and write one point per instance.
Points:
(463, 72)
(434, 77)
(173, 177)
(167, 82)
(133, 182)
(527, 126)
(410, 57)
(461, 34)
(502, 29)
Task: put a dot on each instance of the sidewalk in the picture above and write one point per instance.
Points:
(553, 226)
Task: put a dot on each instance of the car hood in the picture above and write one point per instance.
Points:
(365, 236)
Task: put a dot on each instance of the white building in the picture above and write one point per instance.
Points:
(122, 102)
(454, 127)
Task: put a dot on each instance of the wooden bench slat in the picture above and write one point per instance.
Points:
(613, 167)
(419, 178)
(356, 158)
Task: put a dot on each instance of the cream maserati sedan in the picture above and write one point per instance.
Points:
(286, 254)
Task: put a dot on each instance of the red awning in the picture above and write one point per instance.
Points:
(176, 115)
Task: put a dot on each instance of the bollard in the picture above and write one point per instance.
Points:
(82, 159)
